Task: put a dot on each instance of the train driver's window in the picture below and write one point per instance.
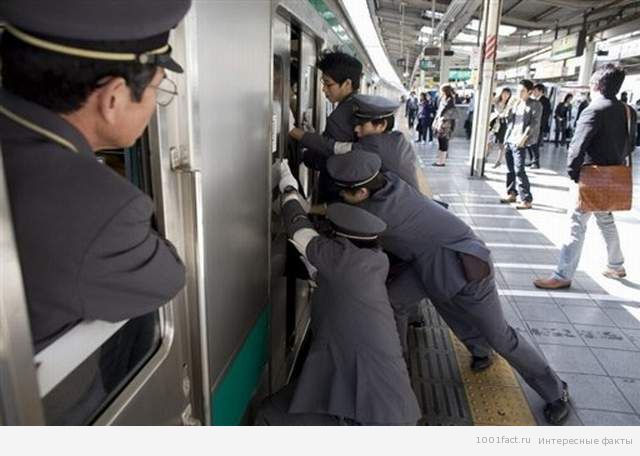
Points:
(81, 372)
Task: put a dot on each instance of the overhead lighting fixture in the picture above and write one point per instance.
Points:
(426, 29)
(466, 37)
(426, 14)
(534, 33)
(358, 12)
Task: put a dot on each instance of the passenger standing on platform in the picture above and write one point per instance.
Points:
(411, 109)
(563, 120)
(84, 236)
(498, 124)
(341, 74)
(449, 265)
(604, 136)
(624, 97)
(426, 113)
(444, 122)
(522, 132)
(581, 107)
(539, 91)
(355, 372)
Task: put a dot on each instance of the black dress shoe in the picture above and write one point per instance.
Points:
(480, 363)
(535, 166)
(557, 412)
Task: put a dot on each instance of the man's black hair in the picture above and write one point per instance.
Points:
(539, 86)
(390, 120)
(608, 79)
(340, 67)
(62, 83)
(527, 84)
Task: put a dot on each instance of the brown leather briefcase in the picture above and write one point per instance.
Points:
(607, 188)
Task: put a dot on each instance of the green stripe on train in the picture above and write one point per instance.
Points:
(231, 398)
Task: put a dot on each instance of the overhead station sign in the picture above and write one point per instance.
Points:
(426, 64)
(568, 47)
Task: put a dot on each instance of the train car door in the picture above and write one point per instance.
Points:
(281, 35)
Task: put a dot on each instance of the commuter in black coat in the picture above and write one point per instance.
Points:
(539, 91)
(84, 236)
(604, 136)
(563, 120)
(341, 74)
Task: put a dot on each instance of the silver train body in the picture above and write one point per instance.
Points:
(233, 335)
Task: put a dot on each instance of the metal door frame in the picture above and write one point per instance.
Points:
(20, 402)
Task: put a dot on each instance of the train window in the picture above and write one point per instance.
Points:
(276, 119)
(80, 373)
(95, 380)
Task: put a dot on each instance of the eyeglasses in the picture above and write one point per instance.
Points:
(166, 89)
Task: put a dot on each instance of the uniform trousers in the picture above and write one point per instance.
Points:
(475, 316)
(483, 326)
(274, 411)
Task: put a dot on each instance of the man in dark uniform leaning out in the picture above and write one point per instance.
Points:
(450, 265)
(355, 372)
(78, 78)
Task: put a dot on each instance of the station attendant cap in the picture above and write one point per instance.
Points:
(109, 30)
(370, 107)
(354, 169)
(354, 223)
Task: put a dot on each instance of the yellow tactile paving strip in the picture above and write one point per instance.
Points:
(494, 395)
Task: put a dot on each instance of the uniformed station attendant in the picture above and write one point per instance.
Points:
(341, 74)
(451, 266)
(355, 372)
(79, 77)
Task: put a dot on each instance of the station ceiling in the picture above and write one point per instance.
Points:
(406, 26)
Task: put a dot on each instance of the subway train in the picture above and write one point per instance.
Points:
(237, 331)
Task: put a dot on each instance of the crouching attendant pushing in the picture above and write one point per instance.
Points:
(355, 372)
(452, 265)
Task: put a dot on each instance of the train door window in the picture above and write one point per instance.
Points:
(81, 372)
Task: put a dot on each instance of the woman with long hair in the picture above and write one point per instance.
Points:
(498, 124)
(444, 122)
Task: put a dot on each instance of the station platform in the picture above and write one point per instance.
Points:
(590, 333)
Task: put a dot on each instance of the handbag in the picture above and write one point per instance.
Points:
(607, 188)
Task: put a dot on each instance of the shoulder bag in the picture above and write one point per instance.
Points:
(607, 188)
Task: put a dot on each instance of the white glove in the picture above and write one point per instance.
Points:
(286, 178)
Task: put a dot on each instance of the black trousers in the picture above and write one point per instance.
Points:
(517, 179)
(561, 132)
(443, 143)
(424, 127)
(534, 153)
(412, 118)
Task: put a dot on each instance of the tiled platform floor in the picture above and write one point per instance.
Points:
(591, 332)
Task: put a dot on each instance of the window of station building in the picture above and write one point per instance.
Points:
(78, 390)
